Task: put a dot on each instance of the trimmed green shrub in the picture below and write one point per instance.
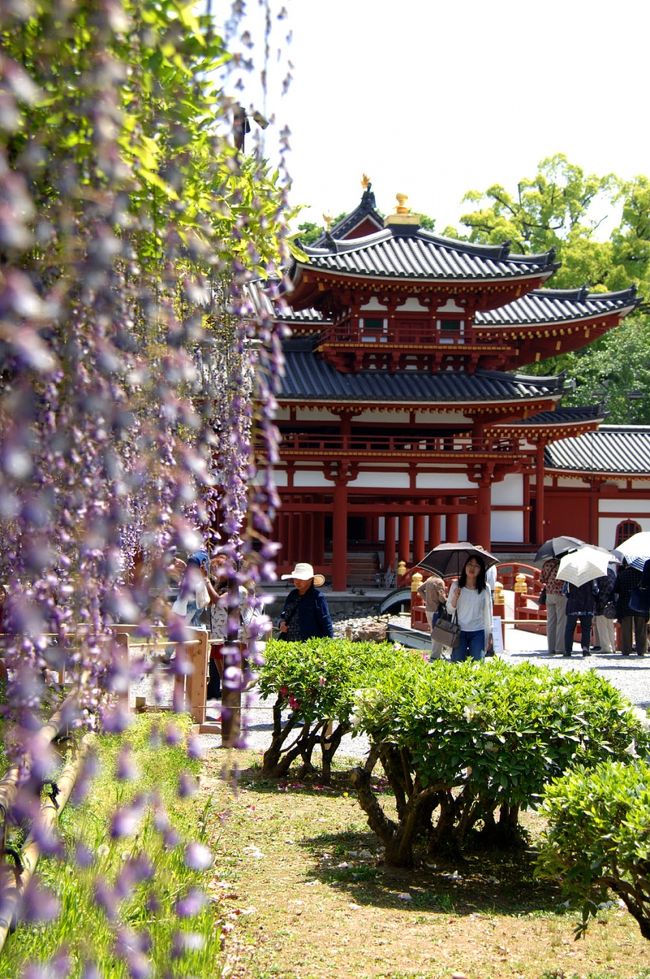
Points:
(467, 746)
(315, 682)
(598, 838)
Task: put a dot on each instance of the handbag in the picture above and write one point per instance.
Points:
(542, 597)
(639, 602)
(446, 631)
(609, 610)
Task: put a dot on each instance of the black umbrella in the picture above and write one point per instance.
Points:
(450, 559)
(557, 546)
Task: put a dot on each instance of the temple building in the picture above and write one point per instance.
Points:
(405, 419)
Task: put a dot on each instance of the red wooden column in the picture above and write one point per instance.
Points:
(418, 538)
(340, 534)
(389, 543)
(482, 519)
(435, 528)
(540, 535)
(318, 539)
(283, 537)
(594, 491)
(404, 545)
(452, 524)
(290, 538)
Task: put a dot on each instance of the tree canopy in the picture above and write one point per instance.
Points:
(600, 230)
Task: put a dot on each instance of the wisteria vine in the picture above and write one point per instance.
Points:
(139, 360)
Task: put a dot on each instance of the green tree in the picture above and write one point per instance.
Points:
(560, 208)
(563, 208)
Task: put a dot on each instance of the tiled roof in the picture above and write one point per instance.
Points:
(309, 377)
(558, 305)
(565, 416)
(612, 449)
(303, 316)
(409, 252)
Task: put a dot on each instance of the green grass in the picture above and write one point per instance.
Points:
(83, 928)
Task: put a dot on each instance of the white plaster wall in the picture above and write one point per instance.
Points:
(435, 417)
(624, 506)
(443, 480)
(607, 529)
(451, 306)
(280, 477)
(316, 415)
(413, 304)
(507, 525)
(380, 480)
(570, 483)
(311, 478)
(392, 417)
(509, 492)
(374, 304)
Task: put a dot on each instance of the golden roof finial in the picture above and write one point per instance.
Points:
(365, 181)
(327, 218)
(401, 204)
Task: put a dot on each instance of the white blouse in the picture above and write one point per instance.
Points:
(474, 609)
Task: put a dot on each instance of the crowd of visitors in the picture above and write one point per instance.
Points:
(620, 595)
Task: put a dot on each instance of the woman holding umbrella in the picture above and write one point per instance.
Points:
(471, 600)
(550, 553)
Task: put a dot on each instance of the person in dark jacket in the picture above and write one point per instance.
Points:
(305, 614)
(604, 624)
(634, 624)
(580, 604)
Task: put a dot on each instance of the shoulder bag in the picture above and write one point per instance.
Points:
(446, 630)
(639, 603)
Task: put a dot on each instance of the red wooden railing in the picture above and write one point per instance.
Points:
(521, 578)
(302, 443)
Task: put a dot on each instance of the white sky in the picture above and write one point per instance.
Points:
(433, 98)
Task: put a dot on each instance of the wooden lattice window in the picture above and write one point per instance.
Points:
(451, 330)
(626, 529)
(373, 329)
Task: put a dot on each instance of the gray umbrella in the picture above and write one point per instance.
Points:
(557, 546)
(450, 558)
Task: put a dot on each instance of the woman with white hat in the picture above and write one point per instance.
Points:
(305, 614)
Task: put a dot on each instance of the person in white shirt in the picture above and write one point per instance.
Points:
(193, 592)
(470, 598)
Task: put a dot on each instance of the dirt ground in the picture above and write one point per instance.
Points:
(303, 893)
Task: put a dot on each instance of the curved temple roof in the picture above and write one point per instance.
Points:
(565, 416)
(611, 449)
(311, 378)
(408, 252)
(558, 306)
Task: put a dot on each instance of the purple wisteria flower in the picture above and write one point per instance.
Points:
(198, 857)
(191, 904)
(38, 904)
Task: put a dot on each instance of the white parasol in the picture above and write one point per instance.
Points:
(585, 564)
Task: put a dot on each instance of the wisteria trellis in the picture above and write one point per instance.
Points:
(137, 377)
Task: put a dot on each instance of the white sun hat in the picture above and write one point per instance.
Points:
(304, 572)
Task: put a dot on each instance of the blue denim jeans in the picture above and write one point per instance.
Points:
(471, 646)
